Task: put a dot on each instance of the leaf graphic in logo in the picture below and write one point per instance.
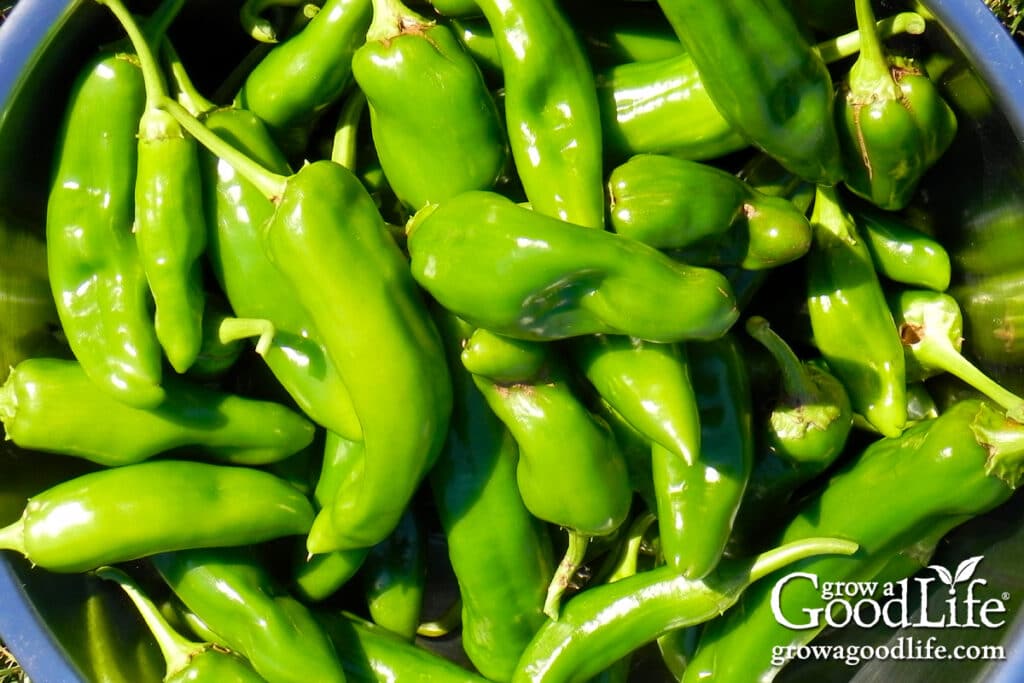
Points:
(967, 568)
(944, 575)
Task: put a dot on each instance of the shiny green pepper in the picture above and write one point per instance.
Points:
(519, 273)
(893, 123)
(902, 253)
(435, 126)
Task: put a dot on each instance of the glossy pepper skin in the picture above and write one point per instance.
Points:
(232, 593)
(962, 464)
(904, 254)
(326, 217)
(90, 247)
(133, 511)
(395, 577)
(893, 124)
(502, 359)
(764, 78)
(852, 326)
(303, 75)
(435, 125)
(51, 405)
(699, 500)
(675, 203)
(170, 227)
(551, 110)
(186, 661)
(605, 623)
(521, 274)
(489, 531)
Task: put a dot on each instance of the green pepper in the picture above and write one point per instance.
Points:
(456, 8)
(170, 227)
(994, 310)
(232, 593)
(502, 359)
(94, 268)
(133, 511)
(489, 531)
(621, 33)
(562, 445)
(902, 253)
(812, 417)
(551, 109)
(893, 124)
(518, 273)
(674, 203)
(300, 77)
(186, 660)
(324, 221)
(395, 575)
(961, 464)
(764, 78)
(256, 25)
(931, 329)
(604, 623)
(51, 405)
(435, 126)
(371, 654)
(853, 328)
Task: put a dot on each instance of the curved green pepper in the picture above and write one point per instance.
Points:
(303, 75)
(522, 274)
(170, 227)
(186, 661)
(51, 405)
(851, 322)
(605, 623)
(764, 78)
(489, 530)
(893, 124)
(551, 110)
(395, 575)
(435, 126)
(674, 203)
(902, 253)
(233, 595)
(93, 262)
(133, 511)
(963, 463)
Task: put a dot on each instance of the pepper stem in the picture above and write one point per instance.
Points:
(849, 44)
(391, 18)
(626, 564)
(346, 139)
(799, 387)
(444, 624)
(188, 95)
(787, 554)
(8, 402)
(1004, 439)
(936, 351)
(151, 75)
(870, 78)
(12, 537)
(270, 184)
(253, 22)
(829, 215)
(233, 329)
(177, 650)
(567, 568)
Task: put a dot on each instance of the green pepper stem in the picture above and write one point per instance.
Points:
(233, 329)
(12, 537)
(346, 137)
(270, 184)
(1004, 440)
(159, 21)
(156, 89)
(444, 624)
(253, 22)
(787, 554)
(829, 215)
(626, 564)
(177, 650)
(849, 44)
(798, 386)
(567, 568)
(8, 402)
(188, 95)
(870, 77)
(935, 350)
(391, 18)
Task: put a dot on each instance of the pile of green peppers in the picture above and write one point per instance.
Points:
(453, 327)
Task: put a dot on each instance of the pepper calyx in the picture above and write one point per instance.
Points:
(1003, 438)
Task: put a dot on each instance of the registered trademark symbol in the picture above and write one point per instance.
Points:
(1006, 596)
